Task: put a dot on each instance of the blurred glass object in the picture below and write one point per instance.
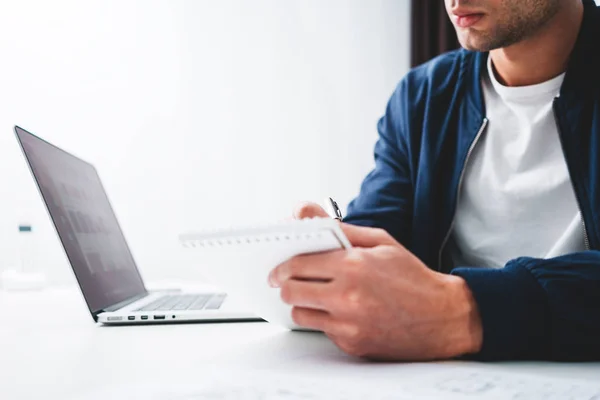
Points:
(25, 276)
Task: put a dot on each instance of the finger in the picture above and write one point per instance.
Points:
(360, 236)
(305, 294)
(337, 331)
(312, 319)
(309, 210)
(316, 266)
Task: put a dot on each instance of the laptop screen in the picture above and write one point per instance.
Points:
(86, 223)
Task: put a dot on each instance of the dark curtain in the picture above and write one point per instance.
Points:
(432, 31)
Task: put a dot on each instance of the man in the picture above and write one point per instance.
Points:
(477, 233)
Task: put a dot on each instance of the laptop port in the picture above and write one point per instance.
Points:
(159, 317)
(131, 318)
(144, 317)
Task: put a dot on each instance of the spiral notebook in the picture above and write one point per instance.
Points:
(240, 260)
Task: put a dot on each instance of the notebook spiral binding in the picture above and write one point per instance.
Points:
(306, 229)
(245, 240)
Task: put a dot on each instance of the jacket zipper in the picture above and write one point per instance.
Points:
(460, 183)
(560, 136)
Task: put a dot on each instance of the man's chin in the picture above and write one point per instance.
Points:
(474, 43)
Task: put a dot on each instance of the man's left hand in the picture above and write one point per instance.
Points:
(377, 300)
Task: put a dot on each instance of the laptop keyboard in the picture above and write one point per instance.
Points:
(181, 302)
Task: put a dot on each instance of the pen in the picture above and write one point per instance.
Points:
(334, 210)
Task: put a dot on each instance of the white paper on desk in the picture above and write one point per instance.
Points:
(451, 383)
(472, 383)
(254, 386)
(240, 260)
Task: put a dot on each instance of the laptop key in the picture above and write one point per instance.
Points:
(199, 303)
(169, 304)
(183, 304)
(215, 302)
(155, 304)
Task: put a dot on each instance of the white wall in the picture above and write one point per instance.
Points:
(198, 114)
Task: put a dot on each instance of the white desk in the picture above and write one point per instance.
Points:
(45, 358)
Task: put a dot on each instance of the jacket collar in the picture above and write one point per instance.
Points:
(583, 64)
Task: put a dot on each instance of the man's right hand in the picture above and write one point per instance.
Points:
(309, 210)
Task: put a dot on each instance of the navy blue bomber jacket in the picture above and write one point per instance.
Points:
(532, 308)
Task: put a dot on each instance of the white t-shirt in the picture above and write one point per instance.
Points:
(516, 197)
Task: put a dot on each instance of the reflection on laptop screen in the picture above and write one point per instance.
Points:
(86, 223)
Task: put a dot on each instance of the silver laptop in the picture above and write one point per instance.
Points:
(97, 251)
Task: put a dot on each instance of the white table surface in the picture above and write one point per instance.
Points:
(50, 348)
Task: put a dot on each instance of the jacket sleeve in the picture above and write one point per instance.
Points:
(385, 198)
(544, 309)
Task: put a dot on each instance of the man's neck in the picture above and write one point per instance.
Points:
(543, 56)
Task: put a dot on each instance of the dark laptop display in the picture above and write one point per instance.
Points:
(86, 223)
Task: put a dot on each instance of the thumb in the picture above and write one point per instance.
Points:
(361, 236)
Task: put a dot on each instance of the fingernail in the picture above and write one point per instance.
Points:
(272, 281)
